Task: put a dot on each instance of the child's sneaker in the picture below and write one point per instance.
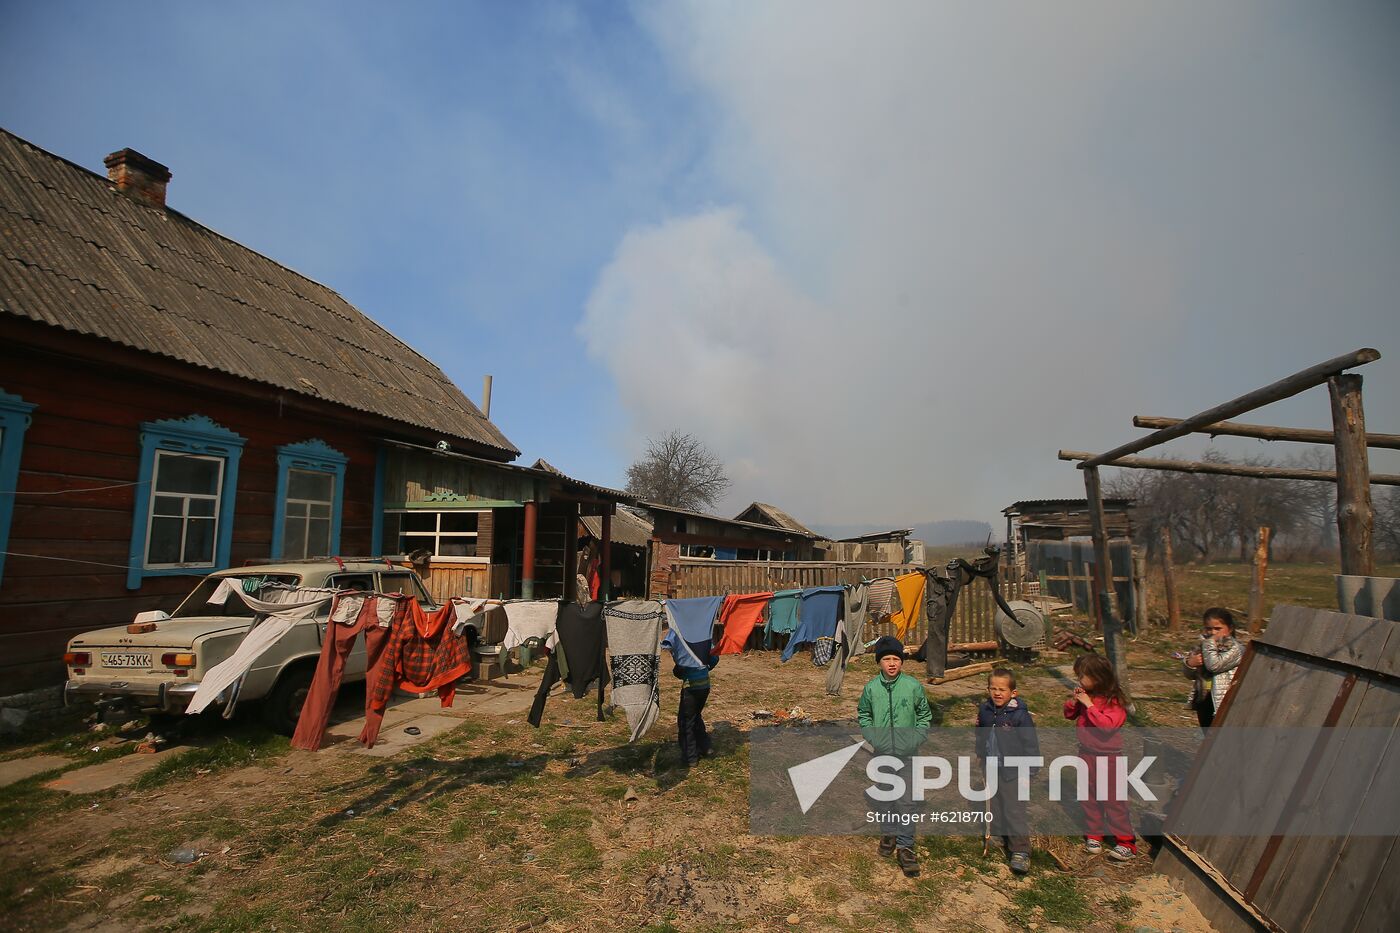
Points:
(908, 862)
(1093, 846)
(1121, 853)
(887, 846)
(1020, 862)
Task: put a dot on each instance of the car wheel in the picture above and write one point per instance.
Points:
(282, 706)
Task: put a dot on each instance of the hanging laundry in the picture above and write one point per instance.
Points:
(634, 649)
(856, 610)
(469, 612)
(533, 618)
(692, 623)
(741, 612)
(911, 599)
(882, 599)
(782, 615)
(582, 637)
(423, 656)
(836, 670)
(273, 618)
(821, 607)
(374, 615)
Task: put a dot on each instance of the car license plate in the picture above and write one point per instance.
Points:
(126, 659)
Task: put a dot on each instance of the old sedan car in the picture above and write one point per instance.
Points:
(159, 670)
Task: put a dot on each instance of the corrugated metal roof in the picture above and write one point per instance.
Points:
(80, 256)
(778, 517)
(626, 528)
(756, 526)
(547, 467)
(1063, 503)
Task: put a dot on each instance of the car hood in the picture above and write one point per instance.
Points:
(168, 633)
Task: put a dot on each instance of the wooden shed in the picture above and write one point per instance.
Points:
(1310, 670)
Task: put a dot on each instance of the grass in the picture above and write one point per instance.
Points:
(244, 745)
(1057, 899)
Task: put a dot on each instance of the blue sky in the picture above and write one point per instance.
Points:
(884, 259)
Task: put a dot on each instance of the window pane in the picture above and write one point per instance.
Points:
(420, 521)
(297, 509)
(179, 473)
(459, 521)
(164, 546)
(169, 505)
(319, 510)
(199, 541)
(318, 537)
(202, 508)
(457, 547)
(294, 538)
(306, 484)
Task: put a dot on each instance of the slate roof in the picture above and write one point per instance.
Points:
(80, 256)
(655, 507)
(776, 516)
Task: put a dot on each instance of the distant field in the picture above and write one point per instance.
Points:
(1200, 586)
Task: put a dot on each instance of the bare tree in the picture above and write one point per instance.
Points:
(679, 471)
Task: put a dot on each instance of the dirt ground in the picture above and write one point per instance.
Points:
(498, 826)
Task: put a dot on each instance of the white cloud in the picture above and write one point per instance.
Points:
(971, 235)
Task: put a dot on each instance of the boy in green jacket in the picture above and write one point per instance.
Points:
(894, 717)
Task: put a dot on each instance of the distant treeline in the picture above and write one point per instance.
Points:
(1213, 517)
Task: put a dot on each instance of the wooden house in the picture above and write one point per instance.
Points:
(173, 402)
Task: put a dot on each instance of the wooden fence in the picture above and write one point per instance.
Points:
(972, 622)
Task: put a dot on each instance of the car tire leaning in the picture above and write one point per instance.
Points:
(282, 706)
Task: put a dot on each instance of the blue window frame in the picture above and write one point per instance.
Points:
(14, 420)
(184, 499)
(310, 490)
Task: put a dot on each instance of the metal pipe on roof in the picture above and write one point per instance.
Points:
(486, 397)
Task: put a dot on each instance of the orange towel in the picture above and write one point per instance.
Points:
(739, 614)
(911, 596)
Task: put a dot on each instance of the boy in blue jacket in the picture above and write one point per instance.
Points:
(1005, 729)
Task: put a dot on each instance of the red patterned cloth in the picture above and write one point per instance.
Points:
(422, 655)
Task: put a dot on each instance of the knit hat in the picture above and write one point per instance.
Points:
(888, 644)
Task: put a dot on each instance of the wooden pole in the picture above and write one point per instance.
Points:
(1284, 388)
(1139, 585)
(1355, 516)
(1073, 584)
(1256, 586)
(1267, 433)
(1169, 582)
(605, 564)
(1230, 469)
(571, 555)
(1113, 646)
(1091, 586)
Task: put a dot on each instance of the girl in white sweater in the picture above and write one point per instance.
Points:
(1212, 665)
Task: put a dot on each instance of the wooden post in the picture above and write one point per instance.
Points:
(527, 560)
(1169, 582)
(1139, 586)
(1256, 586)
(1355, 516)
(605, 564)
(1113, 647)
(1091, 588)
(571, 555)
(1073, 584)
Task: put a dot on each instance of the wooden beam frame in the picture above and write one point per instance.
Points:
(1227, 469)
(1267, 433)
(1284, 388)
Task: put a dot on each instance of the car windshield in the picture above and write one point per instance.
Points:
(197, 603)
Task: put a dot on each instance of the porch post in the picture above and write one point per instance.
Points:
(605, 567)
(527, 562)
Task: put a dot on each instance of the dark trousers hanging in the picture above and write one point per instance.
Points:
(694, 737)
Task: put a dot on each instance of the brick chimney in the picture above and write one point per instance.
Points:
(138, 176)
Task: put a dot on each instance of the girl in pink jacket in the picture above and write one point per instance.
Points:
(1099, 709)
